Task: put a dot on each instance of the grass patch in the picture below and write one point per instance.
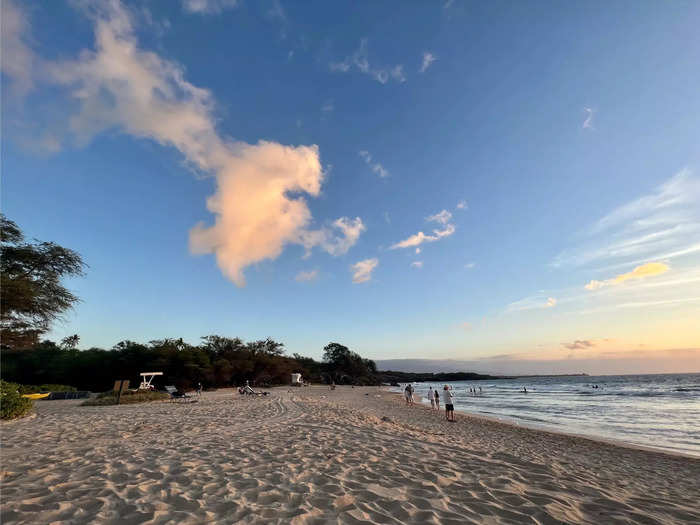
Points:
(12, 404)
(110, 398)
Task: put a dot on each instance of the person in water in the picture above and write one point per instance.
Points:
(449, 405)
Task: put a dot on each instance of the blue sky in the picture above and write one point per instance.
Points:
(548, 152)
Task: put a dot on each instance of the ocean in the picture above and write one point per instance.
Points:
(660, 411)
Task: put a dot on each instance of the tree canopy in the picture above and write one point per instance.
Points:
(345, 364)
(30, 277)
(216, 362)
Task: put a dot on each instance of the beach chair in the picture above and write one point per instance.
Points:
(250, 392)
(176, 395)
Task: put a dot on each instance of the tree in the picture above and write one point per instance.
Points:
(32, 294)
(70, 342)
(336, 354)
(266, 347)
(344, 365)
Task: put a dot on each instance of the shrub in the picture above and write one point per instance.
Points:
(34, 389)
(12, 404)
(110, 398)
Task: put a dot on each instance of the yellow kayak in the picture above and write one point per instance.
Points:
(37, 396)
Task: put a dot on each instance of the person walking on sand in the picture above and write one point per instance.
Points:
(431, 397)
(449, 406)
(407, 393)
(437, 400)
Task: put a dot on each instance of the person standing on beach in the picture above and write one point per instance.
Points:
(449, 406)
(407, 393)
(437, 400)
(431, 396)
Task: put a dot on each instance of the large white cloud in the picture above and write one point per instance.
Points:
(258, 204)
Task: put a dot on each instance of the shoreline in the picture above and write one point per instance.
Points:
(309, 455)
(541, 428)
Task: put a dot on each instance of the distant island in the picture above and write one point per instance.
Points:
(393, 377)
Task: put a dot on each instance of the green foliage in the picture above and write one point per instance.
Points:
(110, 398)
(35, 389)
(70, 342)
(12, 404)
(32, 294)
(216, 362)
(345, 366)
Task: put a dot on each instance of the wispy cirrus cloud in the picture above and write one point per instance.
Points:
(258, 208)
(276, 11)
(443, 217)
(362, 270)
(420, 238)
(417, 264)
(376, 167)
(462, 205)
(428, 59)
(659, 226)
(532, 303)
(304, 277)
(640, 272)
(359, 61)
(208, 7)
(588, 122)
(642, 236)
(579, 344)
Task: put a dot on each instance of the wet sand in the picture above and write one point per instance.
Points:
(316, 456)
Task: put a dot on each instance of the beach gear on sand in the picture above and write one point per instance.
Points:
(180, 396)
(37, 396)
(247, 390)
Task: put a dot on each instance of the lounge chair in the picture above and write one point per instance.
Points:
(250, 392)
(175, 394)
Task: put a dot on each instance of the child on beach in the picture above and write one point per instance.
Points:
(449, 406)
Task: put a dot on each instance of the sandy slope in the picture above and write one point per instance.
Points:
(314, 456)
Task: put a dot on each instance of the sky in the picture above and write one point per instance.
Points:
(500, 183)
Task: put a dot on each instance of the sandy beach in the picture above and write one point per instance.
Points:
(316, 456)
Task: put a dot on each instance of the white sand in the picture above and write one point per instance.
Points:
(315, 456)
